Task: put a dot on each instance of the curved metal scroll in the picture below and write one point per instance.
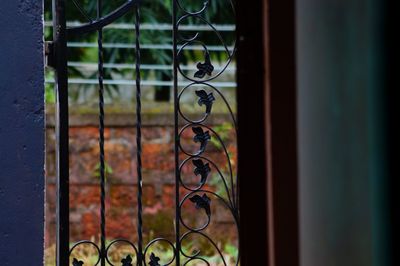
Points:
(106, 20)
(201, 197)
(207, 96)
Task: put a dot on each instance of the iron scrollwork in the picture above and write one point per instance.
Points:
(127, 261)
(154, 260)
(202, 169)
(76, 262)
(203, 133)
(200, 196)
(206, 99)
(204, 68)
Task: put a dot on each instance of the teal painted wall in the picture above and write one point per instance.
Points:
(341, 129)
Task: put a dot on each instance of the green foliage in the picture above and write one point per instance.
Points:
(156, 11)
(49, 94)
(231, 250)
(224, 130)
(161, 223)
(107, 170)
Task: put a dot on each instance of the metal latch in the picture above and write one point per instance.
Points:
(50, 54)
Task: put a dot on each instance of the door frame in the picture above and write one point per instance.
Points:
(267, 142)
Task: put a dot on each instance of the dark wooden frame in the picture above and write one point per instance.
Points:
(391, 109)
(251, 135)
(267, 140)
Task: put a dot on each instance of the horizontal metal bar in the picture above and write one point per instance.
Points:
(143, 67)
(144, 83)
(147, 46)
(156, 26)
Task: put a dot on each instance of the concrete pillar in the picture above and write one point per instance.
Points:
(21, 132)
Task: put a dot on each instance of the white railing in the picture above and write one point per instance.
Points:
(150, 67)
(155, 26)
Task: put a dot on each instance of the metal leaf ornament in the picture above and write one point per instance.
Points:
(76, 262)
(204, 68)
(127, 261)
(201, 169)
(202, 137)
(202, 202)
(206, 99)
(154, 260)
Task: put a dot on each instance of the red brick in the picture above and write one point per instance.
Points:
(123, 196)
(89, 225)
(84, 195)
(158, 156)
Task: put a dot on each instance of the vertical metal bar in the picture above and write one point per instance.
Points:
(101, 140)
(176, 129)
(62, 136)
(139, 137)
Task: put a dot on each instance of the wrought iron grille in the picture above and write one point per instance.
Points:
(199, 84)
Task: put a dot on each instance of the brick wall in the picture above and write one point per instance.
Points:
(158, 180)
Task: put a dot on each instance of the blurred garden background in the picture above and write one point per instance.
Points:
(158, 138)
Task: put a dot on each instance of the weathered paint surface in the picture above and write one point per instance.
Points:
(21, 133)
